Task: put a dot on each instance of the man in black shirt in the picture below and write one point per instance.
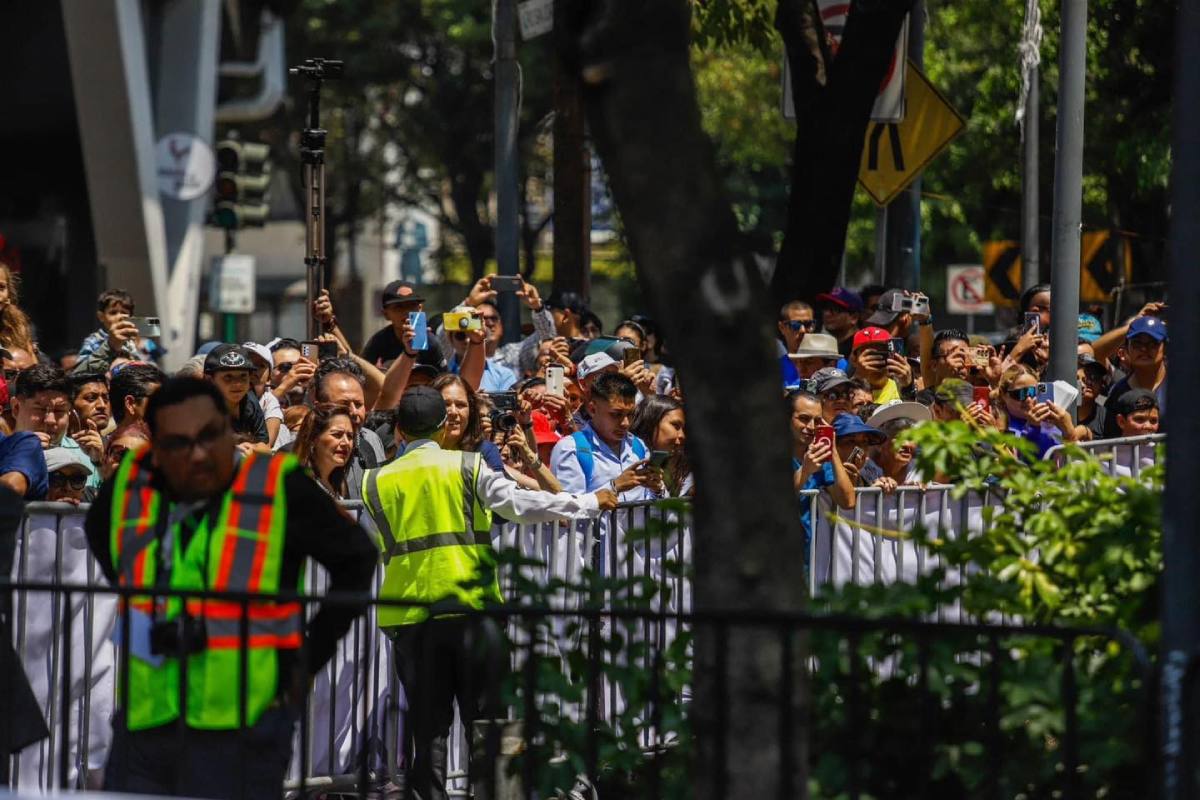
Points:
(193, 471)
(401, 298)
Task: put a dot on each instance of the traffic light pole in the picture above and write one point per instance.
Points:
(312, 156)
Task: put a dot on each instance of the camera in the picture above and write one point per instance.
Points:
(504, 412)
(461, 321)
(183, 636)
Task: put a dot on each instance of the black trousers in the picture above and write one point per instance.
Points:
(247, 764)
(438, 662)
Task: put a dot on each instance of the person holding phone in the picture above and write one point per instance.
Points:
(815, 460)
(1043, 423)
(885, 371)
(398, 300)
(518, 357)
(117, 337)
(659, 421)
(496, 376)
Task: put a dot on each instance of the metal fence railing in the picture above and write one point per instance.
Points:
(1125, 457)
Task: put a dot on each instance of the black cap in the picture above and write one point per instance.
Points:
(884, 316)
(1134, 400)
(401, 292)
(567, 301)
(227, 357)
(421, 411)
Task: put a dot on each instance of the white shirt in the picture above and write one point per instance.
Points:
(270, 406)
(503, 496)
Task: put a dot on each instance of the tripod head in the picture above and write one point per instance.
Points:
(319, 69)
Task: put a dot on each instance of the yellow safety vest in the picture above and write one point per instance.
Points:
(241, 552)
(435, 535)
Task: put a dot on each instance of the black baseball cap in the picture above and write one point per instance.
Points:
(401, 292)
(1134, 400)
(421, 411)
(228, 357)
(567, 301)
(884, 316)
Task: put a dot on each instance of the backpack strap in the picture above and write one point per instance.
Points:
(583, 452)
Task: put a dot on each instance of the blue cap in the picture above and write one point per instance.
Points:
(843, 297)
(1089, 328)
(1150, 326)
(207, 348)
(848, 425)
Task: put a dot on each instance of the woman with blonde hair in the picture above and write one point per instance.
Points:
(1044, 423)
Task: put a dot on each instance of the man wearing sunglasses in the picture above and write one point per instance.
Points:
(68, 476)
(795, 320)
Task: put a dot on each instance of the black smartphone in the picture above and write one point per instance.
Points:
(898, 346)
(507, 283)
(659, 458)
(1033, 321)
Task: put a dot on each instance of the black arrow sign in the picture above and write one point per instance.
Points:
(893, 139)
(1105, 265)
(997, 271)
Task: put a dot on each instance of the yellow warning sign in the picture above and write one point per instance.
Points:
(1105, 262)
(895, 153)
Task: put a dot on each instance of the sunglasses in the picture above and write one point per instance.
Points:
(285, 367)
(802, 324)
(1021, 394)
(839, 394)
(76, 482)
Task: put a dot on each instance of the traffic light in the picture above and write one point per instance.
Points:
(243, 176)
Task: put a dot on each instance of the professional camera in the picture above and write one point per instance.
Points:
(178, 637)
(504, 412)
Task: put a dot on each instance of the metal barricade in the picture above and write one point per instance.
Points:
(1125, 457)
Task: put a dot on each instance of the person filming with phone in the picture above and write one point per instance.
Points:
(875, 360)
(815, 460)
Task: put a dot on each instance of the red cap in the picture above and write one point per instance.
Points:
(870, 336)
(543, 429)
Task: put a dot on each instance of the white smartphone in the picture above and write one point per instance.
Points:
(554, 380)
(147, 327)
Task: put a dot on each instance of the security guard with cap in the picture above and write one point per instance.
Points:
(209, 692)
(433, 508)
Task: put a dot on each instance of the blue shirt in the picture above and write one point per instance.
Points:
(1033, 432)
(791, 378)
(22, 452)
(822, 479)
(606, 465)
(496, 376)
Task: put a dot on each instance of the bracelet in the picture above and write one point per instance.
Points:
(535, 464)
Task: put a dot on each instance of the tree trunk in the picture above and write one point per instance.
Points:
(572, 190)
(833, 108)
(475, 233)
(632, 58)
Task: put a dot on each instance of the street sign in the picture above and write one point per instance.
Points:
(1105, 261)
(889, 104)
(185, 165)
(232, 288)
(895, 153)
(965, 290)
(1002, 266)
(536, 18)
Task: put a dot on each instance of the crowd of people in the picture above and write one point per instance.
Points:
(541, 421)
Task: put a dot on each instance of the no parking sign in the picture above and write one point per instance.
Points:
(965, 290)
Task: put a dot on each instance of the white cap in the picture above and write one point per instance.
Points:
(58, 458)
(595, 363)
(260, 350)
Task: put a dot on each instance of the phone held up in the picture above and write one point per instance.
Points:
(824, 432)
(1033, 322)
(983, 395)
(1045, 393)
(420, 327)
(147, 327)
(631, 356)
(897, 346)
(316, 352)
(507, 283)
(555, 380)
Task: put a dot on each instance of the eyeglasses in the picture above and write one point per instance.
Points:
(1021, 394)
(76, 482)
(182, 445)
(838, 394)
(489, 319)
(802, 324)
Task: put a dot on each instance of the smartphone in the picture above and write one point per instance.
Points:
(1045, 393)
(555, 380)
(147, 327)
(983, 395)
(631, 355)
(824, 432)
(459, 321)
(316, 352)
(421, 330)
(982, 354)
(857, 457)
(659, 458)
(507, 283)
(1033, 321)
(897, 346)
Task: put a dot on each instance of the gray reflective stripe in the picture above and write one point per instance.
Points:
(257, 627)
(375, 509)
(251, 504)
(451, 539)
(470, 462)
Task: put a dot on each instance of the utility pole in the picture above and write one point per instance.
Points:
(1181, 547)
(504, 30)
(1068, 193)
(1030, 227)
(903, 267)
(572, 189)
